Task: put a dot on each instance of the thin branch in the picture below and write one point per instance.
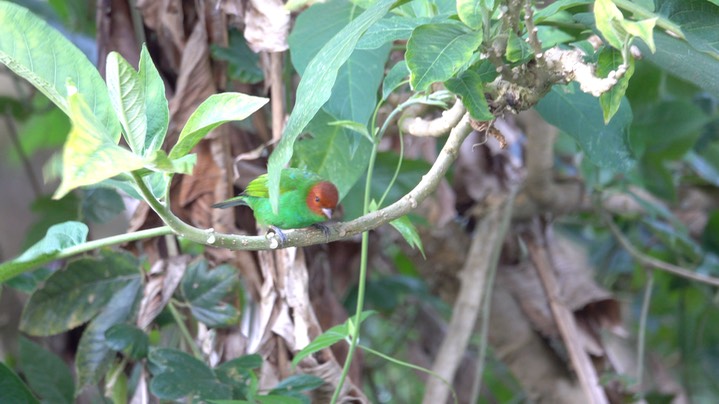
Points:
(652, 262)
(641, 345)
(581, 362)
(12, 131)
(335, 231)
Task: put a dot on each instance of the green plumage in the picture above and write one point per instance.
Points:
(294, 213)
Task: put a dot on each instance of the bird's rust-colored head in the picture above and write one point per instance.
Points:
(323, 198)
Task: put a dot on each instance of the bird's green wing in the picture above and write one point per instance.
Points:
(290, 180)
(257, 187)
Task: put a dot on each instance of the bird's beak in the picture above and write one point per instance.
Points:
(327, 212)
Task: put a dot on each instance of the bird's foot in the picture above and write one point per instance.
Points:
(324, 229)
(281, 237)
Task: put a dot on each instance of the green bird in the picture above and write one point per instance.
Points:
(305, 200)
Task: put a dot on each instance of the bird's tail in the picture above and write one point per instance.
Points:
(236, 201)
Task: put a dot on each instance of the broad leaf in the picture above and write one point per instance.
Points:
(177, 374)
(127, 94)
(315, 88)
(12, 388)
(45, 58)
(388, 30)
(90, 155)
(580, 116)
(77, 293)
(609, 60)
(397, 76)
(557, 6)
(100, 205)
(470, 12)
(674, 56)
(699, 21)
(243, 64)
(328, 153)
(667, 129)
(204, 290)
(331, 336)
(213, 112)
(47, 374)
(617, 31)
(435, 52)
(58, 237)
(93, 353)
(127, 339)
(156, 108)
(468, 85)
(238, 373)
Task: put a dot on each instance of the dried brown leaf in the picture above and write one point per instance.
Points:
(267, 25)
(165, 276)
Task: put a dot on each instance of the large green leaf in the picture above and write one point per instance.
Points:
(204, 290)
(354, 93)
(698, 19)
(93, 353)
(676, 57)
(580, 116)
(435, 52)
(128, 339)
(77, 293)
(213, 112)
(177, 374)
(468, 85)
(156, 108)
(388, 30)
(90, 154)
(45, 58)
(47, 374)
(58, 237)
(328, 153)
(315, 88)
(470, 12)
(12, 388)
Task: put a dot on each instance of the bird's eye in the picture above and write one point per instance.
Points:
(317, 199)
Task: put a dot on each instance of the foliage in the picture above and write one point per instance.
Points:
(653, 130)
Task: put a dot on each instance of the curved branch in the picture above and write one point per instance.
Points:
(435, 127)
(335, 231)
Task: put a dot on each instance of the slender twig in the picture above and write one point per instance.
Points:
(653, 262)
(11, 269)
(662, 22)
(183, 330)
(641, 344)
(581, 362)
(12, 131)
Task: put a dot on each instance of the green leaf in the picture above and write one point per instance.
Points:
(674, 56)
(354, 93)
(44, 129)
(159, 161)
(93, 353)
(47, 374)
(243, 64)
(77, 293)
(127, 94)
(156, 108)
(90, 155)
(557, 6)
(518, 50)
(617, 31)
(470, 12)
(396, 77)
(213, 112)
(328, 153)
(405, 227)
(657, 178)
(45, 58)
(388, 30)
(698, 21)
(315, 89)
(354, 127)
(204, 290)
(580, 116)
(127, 339)
(667, 129)
(58, 237)
(100, 205)
(609, 60)
(12, 388)
(468, 85)
(330, 337)
(435, 52)
(177, 374)
(238, 373)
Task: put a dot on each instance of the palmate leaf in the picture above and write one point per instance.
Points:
(177, 374)
(315, 88)
(204, 290)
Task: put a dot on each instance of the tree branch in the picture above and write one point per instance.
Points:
(335, 231)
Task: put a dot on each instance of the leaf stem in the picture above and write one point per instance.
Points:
(642, 12)
(183, 329)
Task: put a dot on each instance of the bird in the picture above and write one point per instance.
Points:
(306, 199)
